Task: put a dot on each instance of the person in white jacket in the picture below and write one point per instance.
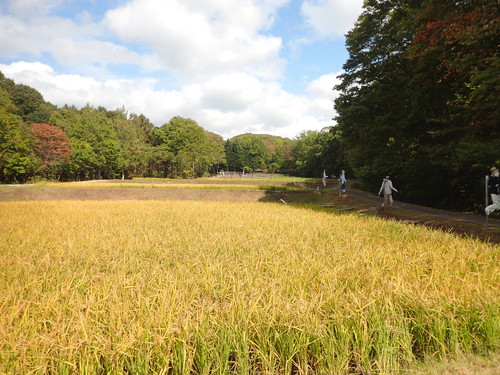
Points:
(387, 188)
(343, 181)
(323, 178)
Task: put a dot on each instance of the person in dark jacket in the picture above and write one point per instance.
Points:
(494, 191)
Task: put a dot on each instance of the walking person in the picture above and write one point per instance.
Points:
(343, 181)
(494, 191)
(323, 178)
(387, 188)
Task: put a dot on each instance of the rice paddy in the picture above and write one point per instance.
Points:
(193, 287)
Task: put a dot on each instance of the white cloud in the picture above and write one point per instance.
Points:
(226, 104)
(219, 52)
(198, 38)
(331, 18)
(77, 47)
(31, 8)
(322, 90)
(191, 38)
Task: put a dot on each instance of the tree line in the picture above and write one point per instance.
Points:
(418, 101)
(41, 141)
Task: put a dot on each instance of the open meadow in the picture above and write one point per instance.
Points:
(151, 286)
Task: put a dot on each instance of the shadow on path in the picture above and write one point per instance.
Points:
(450, 215)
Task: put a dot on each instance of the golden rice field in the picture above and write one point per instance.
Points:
(171, 287)
(278, 182)
(176, 185)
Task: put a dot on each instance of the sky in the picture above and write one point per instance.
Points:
(233, 66)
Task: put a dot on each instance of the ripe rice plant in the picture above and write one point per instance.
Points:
(176, 185)
(170, 287)
(276, 183)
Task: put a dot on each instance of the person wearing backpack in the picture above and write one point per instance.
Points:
(387, 188)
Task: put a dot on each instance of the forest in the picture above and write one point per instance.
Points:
(40, 141)
(419, 98)
(418, 101)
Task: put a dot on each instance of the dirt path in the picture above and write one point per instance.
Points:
(463, 224)
(422, 210)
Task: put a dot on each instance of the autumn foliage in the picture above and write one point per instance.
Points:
(419, 98)
(462, 39)
(50, 143)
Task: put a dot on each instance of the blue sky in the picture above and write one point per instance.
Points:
(233, 66)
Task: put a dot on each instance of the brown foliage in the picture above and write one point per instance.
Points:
(51, 143)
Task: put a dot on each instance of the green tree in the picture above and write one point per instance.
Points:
(186, 144)
(216, 155)
(17, 160)
(93, 127)
(375, 102)
(279, 153)
(333, 156)
(233, 155)
(455, 49)
(311, 153)
(133, 133)
(409, 103)
(260, 152)
(29, 102)
(83, 162)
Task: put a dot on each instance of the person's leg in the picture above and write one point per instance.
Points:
(386, 199)
(494, 206)
(390, 199)
(495, 198)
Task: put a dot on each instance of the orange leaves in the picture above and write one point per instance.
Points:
(51, 144)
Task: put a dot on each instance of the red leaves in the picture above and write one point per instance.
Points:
(51, 143)
(466, 29)
(456, 39)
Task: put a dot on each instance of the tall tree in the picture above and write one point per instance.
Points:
(133, 133)
(408, 104)
(233, 155)
(94, 132)
(29, 102)
(311, 153)
(375, 96)
(52, 147)
(216, 156)
(455, 49)
(84, 161)
(259, 152)
(188, 146)
(17, 160)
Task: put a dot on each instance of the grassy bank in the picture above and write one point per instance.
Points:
(149, 287)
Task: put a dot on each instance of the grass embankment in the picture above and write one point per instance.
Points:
(149, 287)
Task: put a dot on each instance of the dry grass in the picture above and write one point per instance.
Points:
(206, 287)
